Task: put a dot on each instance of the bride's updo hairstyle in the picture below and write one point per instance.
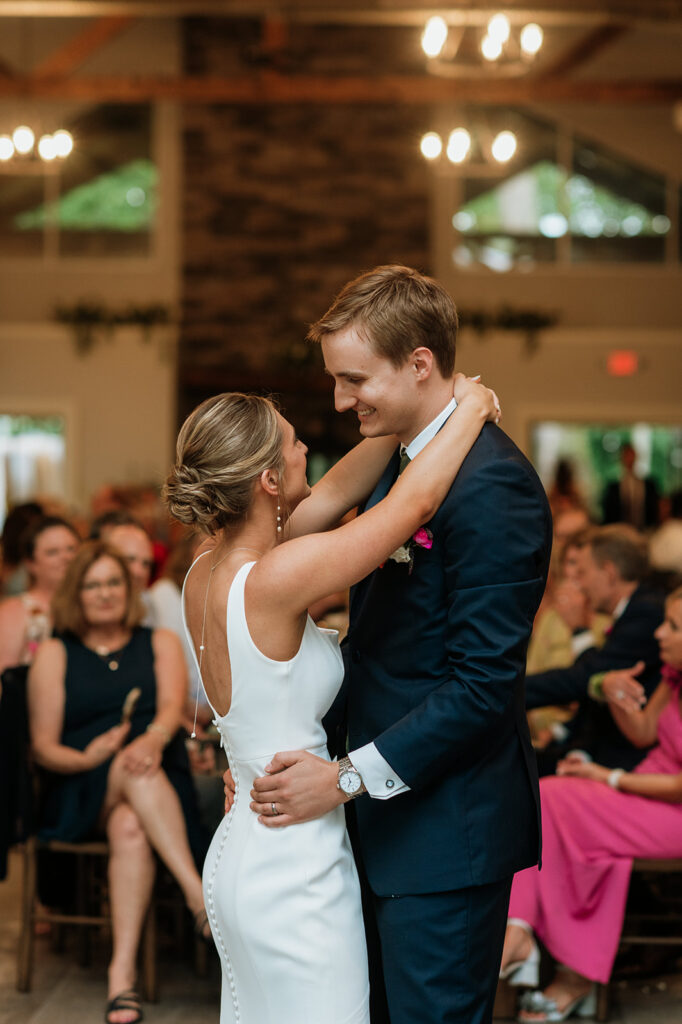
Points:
(223, 447)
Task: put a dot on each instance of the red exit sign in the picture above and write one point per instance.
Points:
(622, 363)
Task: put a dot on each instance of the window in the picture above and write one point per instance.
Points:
(559, 199)
(32, 459)
(100, 201)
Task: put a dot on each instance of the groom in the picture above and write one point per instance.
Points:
(433, 700)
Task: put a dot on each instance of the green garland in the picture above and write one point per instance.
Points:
(87, 319)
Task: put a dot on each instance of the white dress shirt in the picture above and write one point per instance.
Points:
(379, 778)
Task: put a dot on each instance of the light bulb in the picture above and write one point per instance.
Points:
(498, 28)
(459, 144)
(434, 36)
(431, 145)
(23, 139)
(504, 146)
(491, 48)
(63, 142)
(531, 39)
(47, 148)
(6, 148)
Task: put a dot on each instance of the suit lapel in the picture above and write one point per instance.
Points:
(384, 485)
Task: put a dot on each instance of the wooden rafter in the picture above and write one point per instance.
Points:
(271, 87)
(584, 49)
(407, 11)
(84, 44)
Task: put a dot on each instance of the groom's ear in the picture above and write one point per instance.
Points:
(421, 362)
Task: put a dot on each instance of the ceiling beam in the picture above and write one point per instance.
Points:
(414, 12)
(583, 50)
(270, 87)
(73, 54)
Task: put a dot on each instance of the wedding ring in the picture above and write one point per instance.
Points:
(275, 812)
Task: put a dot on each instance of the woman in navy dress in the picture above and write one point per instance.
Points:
(127, 780)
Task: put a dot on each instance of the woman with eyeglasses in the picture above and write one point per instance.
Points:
(122, 774)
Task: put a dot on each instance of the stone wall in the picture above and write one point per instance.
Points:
(284, 204)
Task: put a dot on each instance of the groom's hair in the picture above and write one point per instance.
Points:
(395, 310)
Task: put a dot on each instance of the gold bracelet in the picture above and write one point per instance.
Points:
(162, 731)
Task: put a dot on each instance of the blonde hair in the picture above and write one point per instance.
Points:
(223, 447)
(395, 309)
(67, 608)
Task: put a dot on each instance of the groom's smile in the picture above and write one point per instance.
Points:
(386, 398)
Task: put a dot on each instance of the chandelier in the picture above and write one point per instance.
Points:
(499, 47)
(500, 51)
(21, 145)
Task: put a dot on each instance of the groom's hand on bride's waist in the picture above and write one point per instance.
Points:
(298, 787)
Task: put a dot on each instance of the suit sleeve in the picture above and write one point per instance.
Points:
(494, 537)
(630, 641)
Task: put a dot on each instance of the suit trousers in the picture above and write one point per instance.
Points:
(439, 955)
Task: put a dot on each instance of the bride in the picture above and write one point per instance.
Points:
(284, 904)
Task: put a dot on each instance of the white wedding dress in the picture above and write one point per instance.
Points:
(283, 904)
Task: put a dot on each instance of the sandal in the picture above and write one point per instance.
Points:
(523, 972)
(128, 1000)
(533, 1004)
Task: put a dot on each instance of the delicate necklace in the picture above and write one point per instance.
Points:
(105, 653)
(203, 624)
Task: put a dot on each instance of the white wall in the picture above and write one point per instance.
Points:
(118, 400)
(566, 379)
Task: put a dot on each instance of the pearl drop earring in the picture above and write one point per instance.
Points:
(279, 522)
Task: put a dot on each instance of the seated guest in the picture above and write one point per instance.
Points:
(14, 578)
(567, 629)
(164, 601)
(594, 824)
(570, 625)
(48, 547)
(120, 529)
(126, 779)
(611, 567)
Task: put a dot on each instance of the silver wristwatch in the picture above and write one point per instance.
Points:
(350, 780)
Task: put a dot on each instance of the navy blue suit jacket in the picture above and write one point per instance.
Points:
(435, 667)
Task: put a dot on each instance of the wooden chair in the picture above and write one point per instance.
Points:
(661, 926)
(90, 910)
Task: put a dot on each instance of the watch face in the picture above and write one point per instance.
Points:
(350, 782)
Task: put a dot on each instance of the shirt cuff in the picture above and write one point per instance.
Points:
(381, 782)
(582, 642)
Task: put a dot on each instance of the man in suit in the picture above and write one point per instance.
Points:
(631, 499)
(440, 754)
(611, 567)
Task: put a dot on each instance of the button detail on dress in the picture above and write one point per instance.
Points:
(390, 783)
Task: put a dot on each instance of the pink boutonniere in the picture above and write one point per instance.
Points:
(422, 538)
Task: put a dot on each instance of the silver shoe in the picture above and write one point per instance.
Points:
(524, 972)
(538, 1002)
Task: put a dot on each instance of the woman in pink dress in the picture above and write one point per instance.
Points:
(594, 825)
